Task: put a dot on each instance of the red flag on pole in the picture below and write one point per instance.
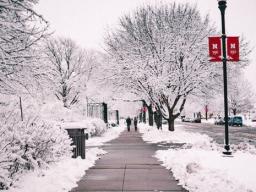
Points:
(233, 48)
(215, 49)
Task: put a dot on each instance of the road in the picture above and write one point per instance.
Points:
(236, 134)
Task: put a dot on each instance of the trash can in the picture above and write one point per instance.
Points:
(78, 140)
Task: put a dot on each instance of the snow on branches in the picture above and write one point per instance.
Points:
(161, 52)
(70, 68)
(21, 28)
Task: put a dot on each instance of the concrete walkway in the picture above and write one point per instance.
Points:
(128, 166)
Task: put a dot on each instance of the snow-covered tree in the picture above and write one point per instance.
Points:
(160, 52)
(70, 68)
(241, 98)
(21, 28)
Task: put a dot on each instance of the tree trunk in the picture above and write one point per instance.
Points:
(140, 117)
(150, 116)
(144, 117)
(234, 111)
(171, 124)
(206, 112)
(158, 119)
(144, 105)
(21, 111)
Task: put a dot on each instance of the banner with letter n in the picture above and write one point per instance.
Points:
(233, 48)
(215, 49)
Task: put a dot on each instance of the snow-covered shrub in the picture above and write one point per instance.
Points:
(93, 126)
(96, 127)
(56, 112)
(28, 144)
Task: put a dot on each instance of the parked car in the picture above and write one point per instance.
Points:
(164, 121)
(196, 120)
(219, 121)
(235, 121)
(186, 119)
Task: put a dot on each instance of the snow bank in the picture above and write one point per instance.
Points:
(200, 170)
(153, 135)
(59, 177)
(200, 166)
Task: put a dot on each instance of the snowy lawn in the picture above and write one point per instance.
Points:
(200, 166)
(62, 176)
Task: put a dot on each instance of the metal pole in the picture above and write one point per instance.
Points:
(117, 117)
(21, 111)
(222, 7)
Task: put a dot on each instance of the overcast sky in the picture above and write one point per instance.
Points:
(86, 21)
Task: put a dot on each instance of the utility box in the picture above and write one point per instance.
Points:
(78, 140)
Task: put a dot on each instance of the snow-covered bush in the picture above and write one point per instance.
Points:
(96, 127)
(56, 112)
(28, 144)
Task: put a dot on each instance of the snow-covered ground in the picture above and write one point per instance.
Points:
(62, 176)
(200, 166)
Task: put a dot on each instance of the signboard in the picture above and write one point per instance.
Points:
(215, 49)
(233, 49)
(215, 52)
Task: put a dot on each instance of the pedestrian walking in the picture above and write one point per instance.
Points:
(128, 122)
(158, 119)
(135, 121)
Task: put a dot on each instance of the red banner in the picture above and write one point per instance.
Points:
(233, 49)
(215, 49)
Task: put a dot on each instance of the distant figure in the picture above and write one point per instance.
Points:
(158, 119)
(128, 122)
(135, 121)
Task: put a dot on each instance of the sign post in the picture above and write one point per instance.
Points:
(224, 49)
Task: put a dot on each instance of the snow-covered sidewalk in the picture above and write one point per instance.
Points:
(62, 176)
(200, 166)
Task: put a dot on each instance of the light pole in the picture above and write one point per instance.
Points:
(222, 7)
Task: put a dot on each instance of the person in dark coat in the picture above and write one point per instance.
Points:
(135, 121)
(158, 119)
(128, 122)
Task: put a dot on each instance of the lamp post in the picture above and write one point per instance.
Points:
(222, 7)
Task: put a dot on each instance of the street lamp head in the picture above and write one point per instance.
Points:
(222, 5)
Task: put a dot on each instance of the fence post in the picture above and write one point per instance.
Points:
(117, 117)
(105, 112)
